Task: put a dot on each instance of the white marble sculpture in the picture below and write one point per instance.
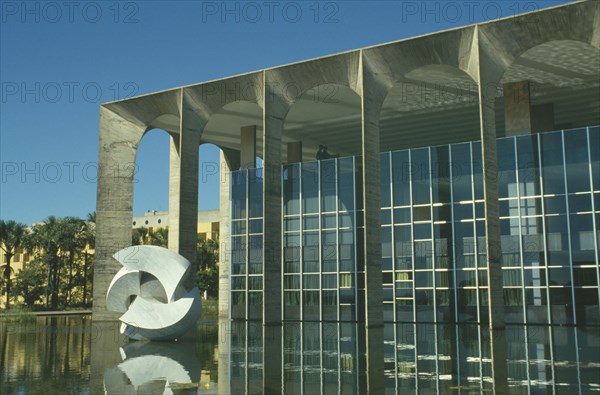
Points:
(149, 291)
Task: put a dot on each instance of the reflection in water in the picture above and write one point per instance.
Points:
(153, 367)
(72, 355)
(45, 355)
(323, 358)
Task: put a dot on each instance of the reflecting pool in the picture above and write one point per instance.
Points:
(55, 355)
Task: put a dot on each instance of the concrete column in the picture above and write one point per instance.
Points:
(517, 108)
(248, 147)
(183, 192)
(371, 100)
(490, 73)
(294, 152)
(230, 160)
(521, 117)
(272, 313)
(118, 144)
(542, 118)
(224, 383)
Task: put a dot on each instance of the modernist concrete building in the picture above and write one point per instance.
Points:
(466, 189)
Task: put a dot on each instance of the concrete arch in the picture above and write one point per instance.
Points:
(429, 105)
(149, 110)
(286, 85)
(389, 64)
(326, 114)
(559, 79)
(208, 98)
(502, 42)
(223, 127)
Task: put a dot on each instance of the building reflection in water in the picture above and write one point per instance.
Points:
(323, 358)
(72, 355)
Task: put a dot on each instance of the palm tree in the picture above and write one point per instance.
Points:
(47, 238)
(12, 236)
(72, 240)
(160, 237)
(139, 236)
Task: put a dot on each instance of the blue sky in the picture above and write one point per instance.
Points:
(60, 60)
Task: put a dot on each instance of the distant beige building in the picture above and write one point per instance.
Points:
(208, 222)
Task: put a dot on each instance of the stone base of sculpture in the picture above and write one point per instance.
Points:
(149, 291)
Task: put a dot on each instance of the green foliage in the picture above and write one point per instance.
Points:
(207, 275)
(61, 269)
(143, 236)
(160, 237)
(12, 237)
(139, 236)
(29, 283)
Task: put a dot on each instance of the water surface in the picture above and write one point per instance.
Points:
(62, 355)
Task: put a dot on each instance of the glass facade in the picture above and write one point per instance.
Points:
(246, 244)
(433, 234)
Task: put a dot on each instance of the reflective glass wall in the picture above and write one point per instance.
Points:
(246, 244)
(433, 234)
(322, 233)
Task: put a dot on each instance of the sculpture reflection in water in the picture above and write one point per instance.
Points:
(153, 367)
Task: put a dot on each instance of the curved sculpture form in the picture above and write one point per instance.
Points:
(149, 291)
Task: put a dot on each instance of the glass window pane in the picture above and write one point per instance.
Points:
(401, 178)
(238, 194)
(386, 198)
(477, 169)
(461, 172)
(595, 156)
(443, 245)
(509, 241)
(423, 255)
(255, 254)
(420, 175)
(291, 189)
(507, 176)
(557, 241)
(386, 247)
(422, 231)
(465, 244)
(555, 204)
(423, 279)
(255, 187)
(527, 161)
(552, 163)
(346, 183)
(576, 157)
(403, 247)
(328, 185)
(238, 255)
(310, 187)
(440, 168)
(582, 240)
